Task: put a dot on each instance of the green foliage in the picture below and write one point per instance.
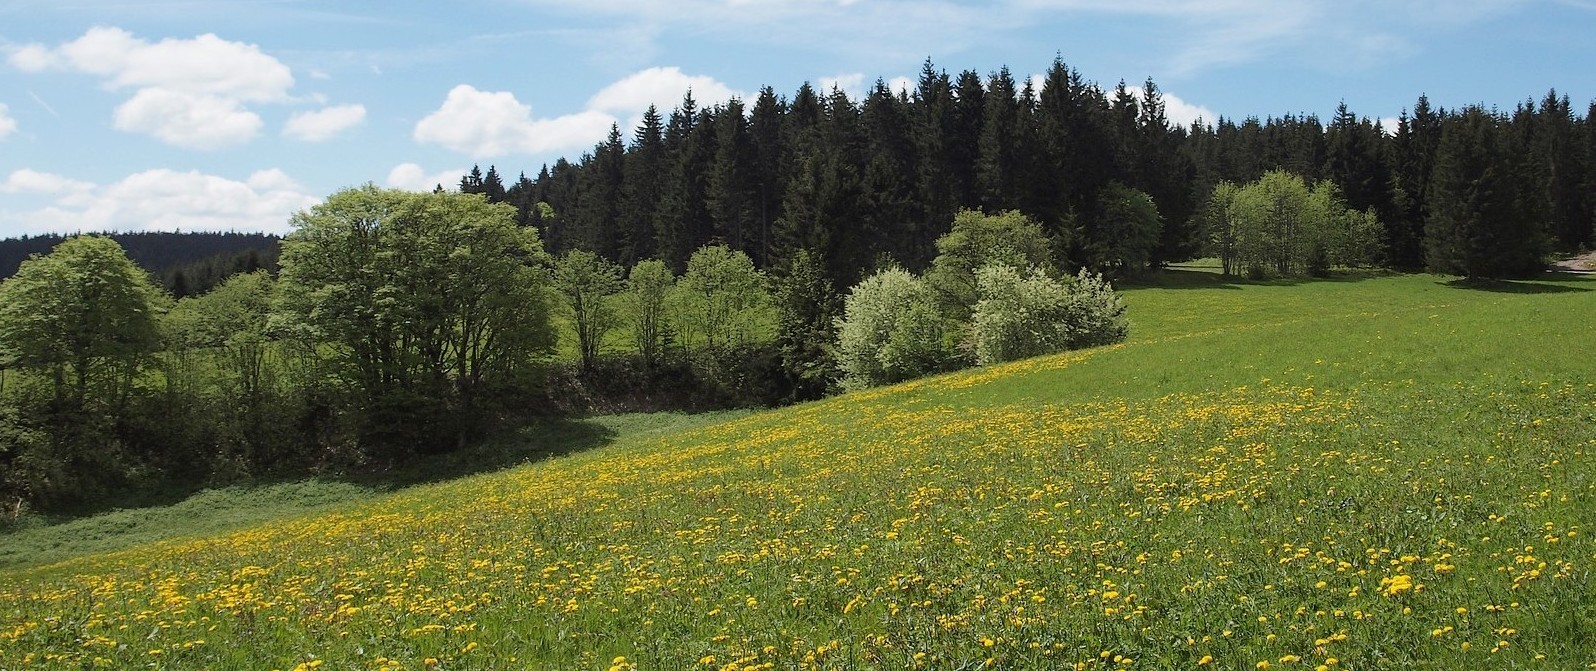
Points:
(890, 331)
(1126, 234)
(86, 314)
(85, 319)
(978, 240)
(1026, 314)
(1279, 225)
(806, 316)
(423, 301)
(586, 281)
(1476, 226)
(720, 299)
(648, 285)
(1094, 313)
(1019, 315)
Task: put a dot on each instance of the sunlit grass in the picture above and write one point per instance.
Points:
(1384, 473)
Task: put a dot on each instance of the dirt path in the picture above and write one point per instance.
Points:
(1578, 264)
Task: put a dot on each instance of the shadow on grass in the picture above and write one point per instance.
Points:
(1203, 277)
(539, 439)
(177, 511)
(1537, 286)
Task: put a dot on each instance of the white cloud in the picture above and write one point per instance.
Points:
(26, 181)
(484, 124)
(412, 177)
(1182, 113)
(194, 121)
(205, 64)
(157, 200)
(661, 87)
(8, 125)
(325, 123)
(851, 83)
(188, 92)
(903, 85)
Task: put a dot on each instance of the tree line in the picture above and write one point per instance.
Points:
(185, 263)
(855, 181)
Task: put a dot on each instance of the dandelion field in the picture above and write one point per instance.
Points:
(1385, 473)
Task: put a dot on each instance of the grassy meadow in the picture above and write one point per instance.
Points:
(1383, 472)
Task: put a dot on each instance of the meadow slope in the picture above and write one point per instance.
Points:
(1384, 473)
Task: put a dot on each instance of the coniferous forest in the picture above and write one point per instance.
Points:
(750, 253)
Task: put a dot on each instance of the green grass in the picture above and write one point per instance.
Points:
(215, 511)
(1386, 472)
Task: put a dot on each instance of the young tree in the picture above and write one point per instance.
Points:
(1023, 314)
(719, 298)
(806, 315)
(648, 284)
(1126, 233)
(1219, 223)
(586, 282)
(1020, 315)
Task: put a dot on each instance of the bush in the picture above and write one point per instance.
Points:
(1021, 315)
(890, 331)
(1095, 314)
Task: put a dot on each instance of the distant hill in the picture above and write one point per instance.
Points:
(186, 263)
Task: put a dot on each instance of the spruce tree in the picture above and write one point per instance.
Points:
(1475, 226)
(640, 191)
(730, 191)
(998, 165)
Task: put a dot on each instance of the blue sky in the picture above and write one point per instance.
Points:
(216, 115)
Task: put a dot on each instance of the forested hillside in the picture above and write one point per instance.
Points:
(186, 263)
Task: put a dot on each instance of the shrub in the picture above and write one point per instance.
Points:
(1021, 315)
(890, 331)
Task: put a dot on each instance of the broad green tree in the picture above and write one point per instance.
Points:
(85, 316)
(1023, 314)
(890, 331)
(1126, 233)
(422, 299)
(719, 299)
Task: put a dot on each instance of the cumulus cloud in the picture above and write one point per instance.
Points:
(8, 125)
(485, 124)
(194, 121)
(661, 87)
(26, 181)
(324, 123)
(1182, 113)
(851, 83)
(187, 92)
(412, 177)
(156, 200)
